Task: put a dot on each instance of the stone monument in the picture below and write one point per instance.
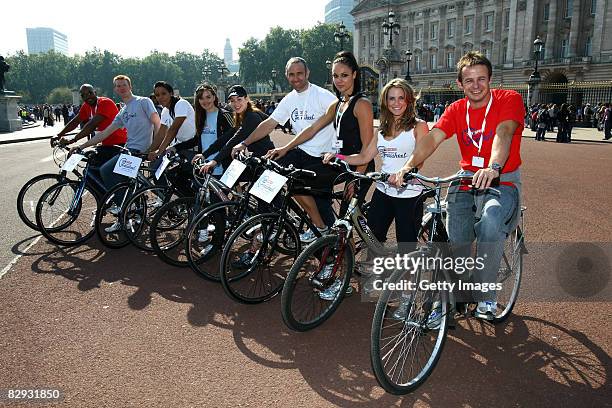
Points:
(9, 121)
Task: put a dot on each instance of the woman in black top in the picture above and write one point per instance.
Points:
(247, 118)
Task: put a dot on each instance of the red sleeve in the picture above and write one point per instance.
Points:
(107, 108)
(447, 122)
(512, 107)
(84, 112)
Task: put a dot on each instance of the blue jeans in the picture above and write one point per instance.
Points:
(490, 231)
(110, 178)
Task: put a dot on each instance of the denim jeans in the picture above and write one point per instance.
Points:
(490, 231)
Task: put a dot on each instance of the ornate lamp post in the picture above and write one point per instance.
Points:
(538, 45)
(534, 79)
(341, 34)
(222, 70)
(328, 64)
(408, 59)
(206, 73)
(390, 27)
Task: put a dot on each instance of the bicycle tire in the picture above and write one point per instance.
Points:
(413, 326)
(298, 290)
(169, 230)
(29, 195)
(57, 203)
(138, 213)
(263, 279)
(105, 219)
(509, 275)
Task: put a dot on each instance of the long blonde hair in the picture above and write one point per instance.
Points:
(408, 119)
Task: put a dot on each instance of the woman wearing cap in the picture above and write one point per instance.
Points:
(246, 118)
(214, 126)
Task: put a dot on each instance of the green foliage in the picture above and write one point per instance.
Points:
(60, 95)
(36, 76)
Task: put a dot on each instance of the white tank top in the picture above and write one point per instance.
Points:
(394, 154)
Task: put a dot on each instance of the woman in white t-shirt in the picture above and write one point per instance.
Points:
(177, 120)
(399, 131)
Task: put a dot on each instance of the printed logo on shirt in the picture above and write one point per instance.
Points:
(476, 133)
(391, 153)
(126, 116)
(209, 131)
(301, 115)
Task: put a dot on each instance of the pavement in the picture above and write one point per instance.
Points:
(40, 132)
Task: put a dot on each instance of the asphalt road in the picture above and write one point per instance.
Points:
(120, 328)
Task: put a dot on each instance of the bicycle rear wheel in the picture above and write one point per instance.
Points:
(30, 193)
(261, 277)
(139, 211)
(168, 231)
(66, 215)
(319, 267)
(509, 275)
(109, 227)
(408, 330)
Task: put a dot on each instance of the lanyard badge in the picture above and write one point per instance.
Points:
(477, 161)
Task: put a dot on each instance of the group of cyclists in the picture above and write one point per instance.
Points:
(487, 125)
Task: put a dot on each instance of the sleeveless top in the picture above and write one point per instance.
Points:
(394, 154)
(347, 127)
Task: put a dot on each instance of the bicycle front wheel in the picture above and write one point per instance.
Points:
(252, 268)
(408, 330)
(317, 283)
(65, 214)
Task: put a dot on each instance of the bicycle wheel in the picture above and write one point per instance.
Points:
(30, 193)
(66, 215)
(322, 265)
(169, 229)
(261, 276)
(207, 235)
(109, 228)
(138, 213)
(509, 275)
(408, 330)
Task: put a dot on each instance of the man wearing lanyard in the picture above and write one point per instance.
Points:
(302, 106)
(98, 112)
(488, 124)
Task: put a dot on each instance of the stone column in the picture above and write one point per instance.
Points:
(512, 33)
(459, 40)
(597, 39)
(551, 30)
(575, 29)
(530, 29)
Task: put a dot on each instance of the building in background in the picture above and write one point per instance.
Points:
(228, 57)
(339, 11)
(44, 39)
(577, 45)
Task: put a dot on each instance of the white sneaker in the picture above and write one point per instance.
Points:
(113, 228)
(158, 202)
(402, 310)
(433, 320)
(114, 209)
(330, 293)
(310, 236)
(203, 235)
(486, 310)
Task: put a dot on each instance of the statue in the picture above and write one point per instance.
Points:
(4, 67)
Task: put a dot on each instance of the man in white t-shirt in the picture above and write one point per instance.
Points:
(302, 106)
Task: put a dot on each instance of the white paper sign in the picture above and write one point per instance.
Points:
(268, 185)
(127, 165)
(72, 162)
(233, 172)
(162, 167)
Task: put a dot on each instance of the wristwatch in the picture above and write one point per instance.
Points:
(496, 166)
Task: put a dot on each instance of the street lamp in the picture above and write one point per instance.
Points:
(340, 34)
(538, 45)
(273, 74)
(408, 59)
(206, 73)
(390, 27)
(328, 64)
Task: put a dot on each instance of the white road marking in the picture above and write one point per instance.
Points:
(46, 159)
(8, 267)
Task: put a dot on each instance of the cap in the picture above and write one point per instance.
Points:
(237, 90)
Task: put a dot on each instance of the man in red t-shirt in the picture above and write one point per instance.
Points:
(98, 112)
(488, 124)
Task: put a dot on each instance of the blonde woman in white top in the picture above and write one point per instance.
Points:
(398, 134)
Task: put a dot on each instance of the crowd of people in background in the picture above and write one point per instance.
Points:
(543, 118)
(47, 113)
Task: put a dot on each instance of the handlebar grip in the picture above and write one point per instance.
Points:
(308, 173)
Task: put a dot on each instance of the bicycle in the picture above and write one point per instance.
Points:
(410, 324)
(269, 240)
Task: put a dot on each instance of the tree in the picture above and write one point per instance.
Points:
(61, 95)
(319, 46)
(252, 56)
(280, 45)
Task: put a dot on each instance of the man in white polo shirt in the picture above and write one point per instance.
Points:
(302, 106)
